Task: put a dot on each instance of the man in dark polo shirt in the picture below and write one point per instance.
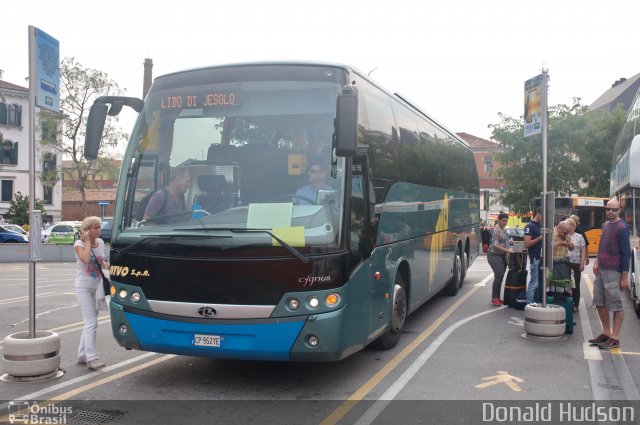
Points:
(533, 243)
(611, 268)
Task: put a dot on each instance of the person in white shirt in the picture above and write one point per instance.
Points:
(90, 253)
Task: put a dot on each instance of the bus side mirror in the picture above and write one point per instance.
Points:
(97, 117)
(95, 127)
(346, 125)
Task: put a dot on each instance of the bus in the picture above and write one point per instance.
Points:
(625, 185)
(590, 210)
(270, 274)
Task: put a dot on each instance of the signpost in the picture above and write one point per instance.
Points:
(44, 91)
(103, 205)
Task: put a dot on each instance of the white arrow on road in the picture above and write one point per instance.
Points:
(516, 321)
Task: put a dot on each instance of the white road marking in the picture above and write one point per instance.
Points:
(374, 411)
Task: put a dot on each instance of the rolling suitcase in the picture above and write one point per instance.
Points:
(559, 281)
(566, 301)
(516, 279)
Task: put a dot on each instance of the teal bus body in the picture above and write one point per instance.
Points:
(625, 185)
(260, 275)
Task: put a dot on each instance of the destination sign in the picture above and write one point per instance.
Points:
(207, 100)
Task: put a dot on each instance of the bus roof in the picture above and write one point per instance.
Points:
(346, 68)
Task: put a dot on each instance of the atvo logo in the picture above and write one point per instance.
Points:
(118, 271)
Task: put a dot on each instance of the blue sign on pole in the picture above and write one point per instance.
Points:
(103, 203)
(47, 71)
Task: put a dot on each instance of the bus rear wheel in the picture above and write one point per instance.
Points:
(390, 338)
(456, 281)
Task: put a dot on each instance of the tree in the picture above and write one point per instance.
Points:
(602, 132)
(19, 208)
(579, 148)
(79, 88)
(522, 158)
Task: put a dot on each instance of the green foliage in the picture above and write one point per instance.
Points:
(602, 132)
(19, 208)
(79, 88)
(579, 149)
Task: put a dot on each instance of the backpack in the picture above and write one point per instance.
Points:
(145, 201)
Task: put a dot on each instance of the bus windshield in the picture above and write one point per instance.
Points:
(218, 150)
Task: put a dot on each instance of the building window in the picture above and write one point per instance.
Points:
(9, 152)
(15, 115)
(49, 130)
(488, 164)
(49, 177)
(7, 191)
(3, 113)
(48, 195)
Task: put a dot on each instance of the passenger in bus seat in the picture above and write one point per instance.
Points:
(169, 202)
(215, 195)
(317, 182)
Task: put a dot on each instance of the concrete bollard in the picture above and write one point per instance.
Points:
(548, 322)
(26, 359)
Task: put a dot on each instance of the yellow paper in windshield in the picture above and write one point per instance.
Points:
(269, 216)
(293, 236)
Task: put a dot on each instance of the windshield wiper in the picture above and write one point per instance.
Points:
(291, 249)
(116, 254)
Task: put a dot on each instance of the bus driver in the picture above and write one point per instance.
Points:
(308, 194)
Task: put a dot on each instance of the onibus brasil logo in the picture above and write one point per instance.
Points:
(25, 412)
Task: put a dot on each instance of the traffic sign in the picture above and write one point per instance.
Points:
(103, 203)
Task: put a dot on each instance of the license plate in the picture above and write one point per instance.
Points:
(207, 340)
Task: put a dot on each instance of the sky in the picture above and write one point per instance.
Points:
(461, 61)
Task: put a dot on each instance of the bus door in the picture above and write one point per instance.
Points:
(359, 232)
(363, 201)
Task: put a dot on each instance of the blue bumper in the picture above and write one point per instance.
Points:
(272, 340)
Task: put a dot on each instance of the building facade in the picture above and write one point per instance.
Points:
(484, 153)
(14, 155)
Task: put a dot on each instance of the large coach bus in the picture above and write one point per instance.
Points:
(255, 267)
(625, 184)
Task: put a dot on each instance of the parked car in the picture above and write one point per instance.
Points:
(516, 233)
(8, 236)
(107, 227)
(15, 228)
(44, 234)
(62, 234)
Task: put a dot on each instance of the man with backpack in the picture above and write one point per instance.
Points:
(167, 203)
(533, 244)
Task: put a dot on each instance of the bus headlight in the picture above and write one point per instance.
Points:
(112, 291)
(135, 297)
(332, 299)
(313, 340)
(122, 294)
(313, 302)
(293, 304)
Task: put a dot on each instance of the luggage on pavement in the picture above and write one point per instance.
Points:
(516, 279)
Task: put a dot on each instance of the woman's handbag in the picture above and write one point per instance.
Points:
(106, 284)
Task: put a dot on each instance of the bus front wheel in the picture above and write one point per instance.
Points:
(390, 338)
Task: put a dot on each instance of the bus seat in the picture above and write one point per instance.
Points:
(215, 193)
(218, 151)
